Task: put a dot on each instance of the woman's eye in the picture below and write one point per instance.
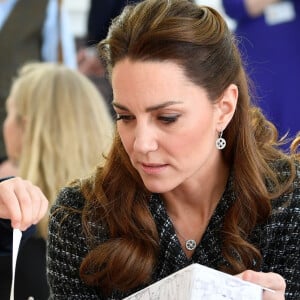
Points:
(168, 119)
(124, 117)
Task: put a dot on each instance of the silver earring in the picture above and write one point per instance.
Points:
(220, 142)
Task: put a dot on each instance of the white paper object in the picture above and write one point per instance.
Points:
(199, 282)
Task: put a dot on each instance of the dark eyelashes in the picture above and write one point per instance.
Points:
(165, 119)
(168, 119)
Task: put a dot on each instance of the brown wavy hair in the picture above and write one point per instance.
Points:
(198, 39)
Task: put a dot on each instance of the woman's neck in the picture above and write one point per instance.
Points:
(198, 196)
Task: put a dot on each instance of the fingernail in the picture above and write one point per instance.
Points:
(16, 225)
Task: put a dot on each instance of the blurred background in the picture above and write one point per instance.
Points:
(78, 13)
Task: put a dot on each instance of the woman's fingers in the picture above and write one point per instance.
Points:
(272, 281)
(21, 202)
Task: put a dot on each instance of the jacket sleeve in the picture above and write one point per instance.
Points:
(66, 249)
(281, 251)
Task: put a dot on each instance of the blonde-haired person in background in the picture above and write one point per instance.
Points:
(57, 128)
(47, 37)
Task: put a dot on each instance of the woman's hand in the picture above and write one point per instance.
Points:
(270, 280)
(21, 202)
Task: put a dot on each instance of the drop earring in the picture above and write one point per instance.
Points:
(220, 142)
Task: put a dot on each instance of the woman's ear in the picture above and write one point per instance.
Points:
(226, 106)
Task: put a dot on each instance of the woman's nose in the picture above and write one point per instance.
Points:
(145, 140)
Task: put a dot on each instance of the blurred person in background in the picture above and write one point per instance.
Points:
(268, 36)
(31, 30)
(57, 128)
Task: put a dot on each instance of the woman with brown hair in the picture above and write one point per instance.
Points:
(195, 174)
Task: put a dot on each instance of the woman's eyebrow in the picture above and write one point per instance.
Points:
(162, 105)
(150, 108)
(120, 106)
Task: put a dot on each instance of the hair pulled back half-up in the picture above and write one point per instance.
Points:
(198, 39)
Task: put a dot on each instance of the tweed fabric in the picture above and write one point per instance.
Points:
(277, 238)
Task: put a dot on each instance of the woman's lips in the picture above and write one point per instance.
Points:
(153, 168)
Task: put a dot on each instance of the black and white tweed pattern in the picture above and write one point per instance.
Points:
(278, 239)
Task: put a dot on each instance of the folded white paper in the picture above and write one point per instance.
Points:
(199, 282)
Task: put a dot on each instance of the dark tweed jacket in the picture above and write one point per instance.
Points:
(278, 240)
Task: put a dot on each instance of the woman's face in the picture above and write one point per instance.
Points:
(13, 132)
(166, 123)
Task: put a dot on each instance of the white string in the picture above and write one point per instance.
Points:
(17, 235)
